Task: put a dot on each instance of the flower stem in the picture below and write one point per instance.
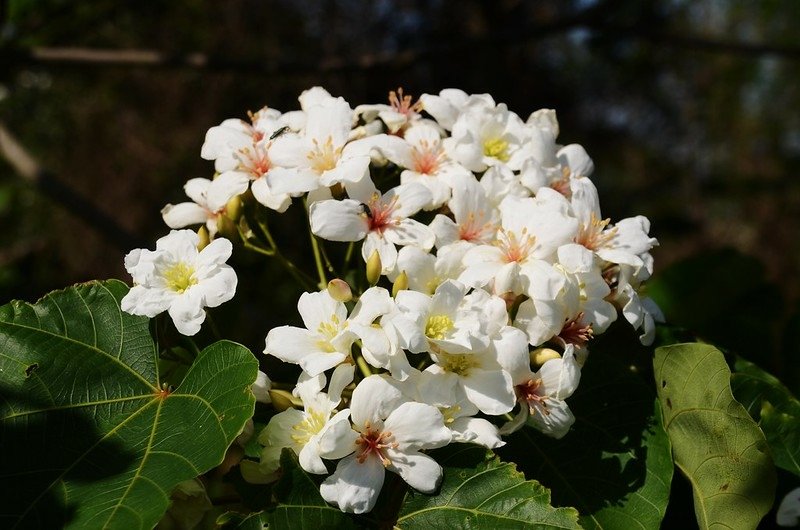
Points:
(323, 281)
(365, 369)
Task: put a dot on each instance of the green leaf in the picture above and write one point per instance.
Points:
(774, 407)
(615, 463)
(716, 444)
(480, 491)
(90, 439)
(300, 504)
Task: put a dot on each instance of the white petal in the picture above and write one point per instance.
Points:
(421, 472)
(219, 287)
(411, 198)
(417, 426)
(320, 308)
(146, 302)
(560, 377)
(476, 430)
(338, 439)
(341, 377)
(490, 390)
(266, 196)
(410, 232)
(225, 187)
(354, 486)
(374, 399)
(196, 189)
(310, 460)
(187, 312)
(386, 250)
(291, 180)
(184, 214)
(213, 255)
(343, 220)
(556, 422)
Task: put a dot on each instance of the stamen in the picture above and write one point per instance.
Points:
(576, 333)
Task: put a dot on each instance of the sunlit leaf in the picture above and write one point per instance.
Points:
(481, 491)
(716, 444)
(90, 438)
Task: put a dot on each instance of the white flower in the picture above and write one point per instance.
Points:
(382, 219)
(389, 433)
(303, 430)
(532, 230)
(441, 321)
(425, 271)
(641, 312)
(255, 166)
(375, 320)
(577, 311)
(226, 139)
(210, 199)
(486, 135)
(457, 410)
(261, 388)
(627, 242)
(179, 279)
(397, 115)
(542, 394)
(324, 343)
(424, 160)
(475, 219)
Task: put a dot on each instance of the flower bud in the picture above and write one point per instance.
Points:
(233, 209)
(340, 290)
(204, 236)
(226, 227)
(374, 268)
(261, 388)
(282, 400)
(400, 284)
(539, 356)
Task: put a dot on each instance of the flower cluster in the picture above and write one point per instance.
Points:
(490, 236)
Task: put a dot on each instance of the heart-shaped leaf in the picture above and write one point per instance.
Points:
(615, 463)
(480, 491)
(774, 407)
(90, 439)
(716, 444)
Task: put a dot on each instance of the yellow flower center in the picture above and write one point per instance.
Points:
(496, 148)
(324, 157)
(311, 425)
(180, 277)
(327, 331)
(459, 364)
(438, 326)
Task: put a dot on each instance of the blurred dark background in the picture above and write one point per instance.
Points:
(690, 109)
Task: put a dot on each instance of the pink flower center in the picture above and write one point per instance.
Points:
(594, 235)
(254, 161)
(574, 332)
(373, 443)
(474, 229)
(515, 248)
(381, 214)
(529, 393)
(402, 103)
(427, 158)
